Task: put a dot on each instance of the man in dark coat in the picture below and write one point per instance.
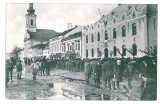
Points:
(7, 72)
(107, 68)
(10, 65)
(149, 81)
(44, 61)
(117, 74)
(87, 70)
(96, 69)
(48, 66)
(19, 69)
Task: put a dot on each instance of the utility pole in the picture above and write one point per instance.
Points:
(100, 13)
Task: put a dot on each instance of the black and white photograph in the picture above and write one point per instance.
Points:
(81, 51)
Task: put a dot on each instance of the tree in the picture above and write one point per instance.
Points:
(150, 51)
(111, 53)
(16, 51)
(130, 51)
(119, 52)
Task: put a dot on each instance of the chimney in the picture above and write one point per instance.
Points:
(69, 25)
(75, 25)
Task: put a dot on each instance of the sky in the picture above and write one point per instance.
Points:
(50, 16)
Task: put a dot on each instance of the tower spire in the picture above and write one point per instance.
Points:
(30, 10)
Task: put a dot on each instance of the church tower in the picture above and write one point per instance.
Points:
(31, 19)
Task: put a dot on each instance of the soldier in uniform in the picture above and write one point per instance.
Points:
(117, 74)
(35, 68)
(87, 70)
(19, 69)
(96, 68)
(7, 72)
(107, 68)
(48, 66)
(11, 67)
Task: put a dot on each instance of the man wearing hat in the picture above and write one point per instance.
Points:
(117, 74)
(19, 68)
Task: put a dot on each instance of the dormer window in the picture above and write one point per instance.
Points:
(113, 13)
(123, 17)
(134, 14)
(31, 22)
(114, 21)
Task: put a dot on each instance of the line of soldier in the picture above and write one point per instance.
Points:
(11, 64)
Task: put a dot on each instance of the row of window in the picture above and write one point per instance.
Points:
(134, 32)
(134, 51)
(75, 46)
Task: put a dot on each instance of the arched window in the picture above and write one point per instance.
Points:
(31, 22)
(98, 36)
(106, 35)
(86, 53)
(92, 52)
(86, 38)
(123, 31)
(134, 29)
(134, 47)
(123, 50)
(114, 51)
(92, 38)
(114, 33)
(106, 52)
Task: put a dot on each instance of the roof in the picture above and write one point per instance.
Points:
(124, 8)
(43, 34)
(46, 46)
(39, 46)
(75, 35)
(67, 31)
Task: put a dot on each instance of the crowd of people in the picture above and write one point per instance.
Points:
(108, 71)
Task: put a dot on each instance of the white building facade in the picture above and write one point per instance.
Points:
(127, 27)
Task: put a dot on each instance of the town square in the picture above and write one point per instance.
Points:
(103, 52)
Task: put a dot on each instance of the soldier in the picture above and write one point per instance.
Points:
(34, 68)
(107, 68)
(11, 67)
(7, 72)
(96, 68)
(87, 70)
(117, 74)
(48, 66)
(43, 65)
(19, 69)
(149, 81)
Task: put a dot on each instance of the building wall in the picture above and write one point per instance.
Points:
(46, 53)
(73, 45)
(55, 45)
(140, 39)
(153, 30)
(29, 52)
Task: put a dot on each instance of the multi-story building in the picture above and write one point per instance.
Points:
(71, 42)
(68, 41)
(35, 39)
(127, 27)
(46, 51)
